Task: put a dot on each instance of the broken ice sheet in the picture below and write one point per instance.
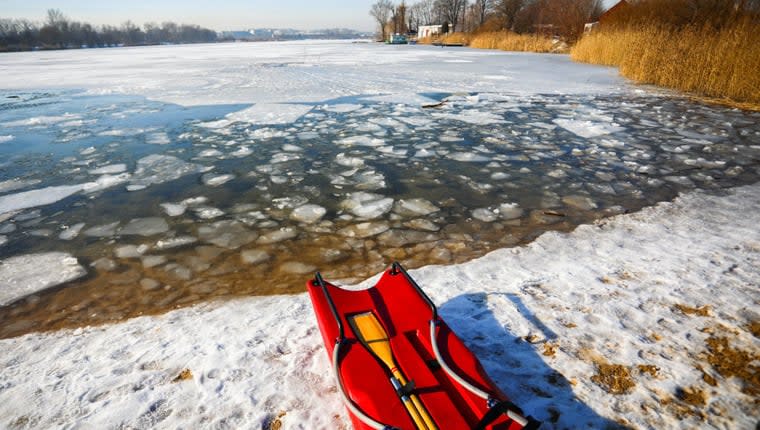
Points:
(21, 275)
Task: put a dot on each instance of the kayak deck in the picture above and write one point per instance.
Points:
(405, 312)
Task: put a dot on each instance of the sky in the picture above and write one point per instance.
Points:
(218, 15)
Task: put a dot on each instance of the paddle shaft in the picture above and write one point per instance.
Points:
(375, 338)
(429, 424)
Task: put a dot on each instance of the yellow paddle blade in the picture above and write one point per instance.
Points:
(373, 335)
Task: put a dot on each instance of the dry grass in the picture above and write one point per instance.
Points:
(508, 41)
(721, 64)
(451, 38)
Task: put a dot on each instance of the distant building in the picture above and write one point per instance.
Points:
(613, 12)
(608, 16)
(429, 30)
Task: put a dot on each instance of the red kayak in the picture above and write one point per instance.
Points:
(399, 366)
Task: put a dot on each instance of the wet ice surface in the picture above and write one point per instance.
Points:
(166, 206)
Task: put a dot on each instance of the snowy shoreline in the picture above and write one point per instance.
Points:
(637, 291)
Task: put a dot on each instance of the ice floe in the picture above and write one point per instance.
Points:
(21, 275)
(309, 213)
(160, 168)
(587, 129)
(228, 234)
(254, 256)
(145, 227)
(6, 138)
(367, 205)
(71, 232)
(35, 198)
(215, 180)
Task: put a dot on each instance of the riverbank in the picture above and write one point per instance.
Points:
(647, 320)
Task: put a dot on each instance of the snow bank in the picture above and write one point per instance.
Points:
(544, 319)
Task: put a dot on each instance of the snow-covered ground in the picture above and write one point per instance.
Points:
(281, 72)
(545, 319)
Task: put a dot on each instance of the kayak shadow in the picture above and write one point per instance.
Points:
(515, 365)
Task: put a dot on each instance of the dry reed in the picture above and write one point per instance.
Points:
(508, 41)
(722, 64)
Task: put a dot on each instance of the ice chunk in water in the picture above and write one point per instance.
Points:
(34, 198)
(510, 211)
(105, 181)
(104, 230)
(130, 251)
(71, 232)
(579, 202)
(280, 235)
(297, 267)
(587, 129)
(414, 207)
(347, 161)
(6, 138)
(254, 256)
(159, 168)
(109, 169)
(26, 274)
(308, 213)
(367, 205)
(175, 242)
(422, 224)
(3, 239)
(174, 209)
(362, 141)
(16, 184)
(364, 229)
(270, 113)
(208, 212)
(226, 234)
(149, 261)
(145, 226)
(469, 157)
(484, 214)
(214, 180)
(210, 153)
(160, 138)
(243, 151)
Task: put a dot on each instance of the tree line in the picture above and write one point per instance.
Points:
(59, 32)
(563, 18)
(560, 18)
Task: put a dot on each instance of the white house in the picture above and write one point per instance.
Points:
(429, 30)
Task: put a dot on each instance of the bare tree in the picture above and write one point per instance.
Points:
(481, 9)
(426, 12)
(452, 11)
(381, 11)
(507, 11)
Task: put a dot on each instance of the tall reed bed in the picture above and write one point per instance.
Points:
(508, 41)
(721, 63)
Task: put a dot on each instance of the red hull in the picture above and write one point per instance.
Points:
(404, 312)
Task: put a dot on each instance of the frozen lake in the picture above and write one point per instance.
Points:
(175, 175)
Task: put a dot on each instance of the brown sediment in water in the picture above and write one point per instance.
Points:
(202, 272)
